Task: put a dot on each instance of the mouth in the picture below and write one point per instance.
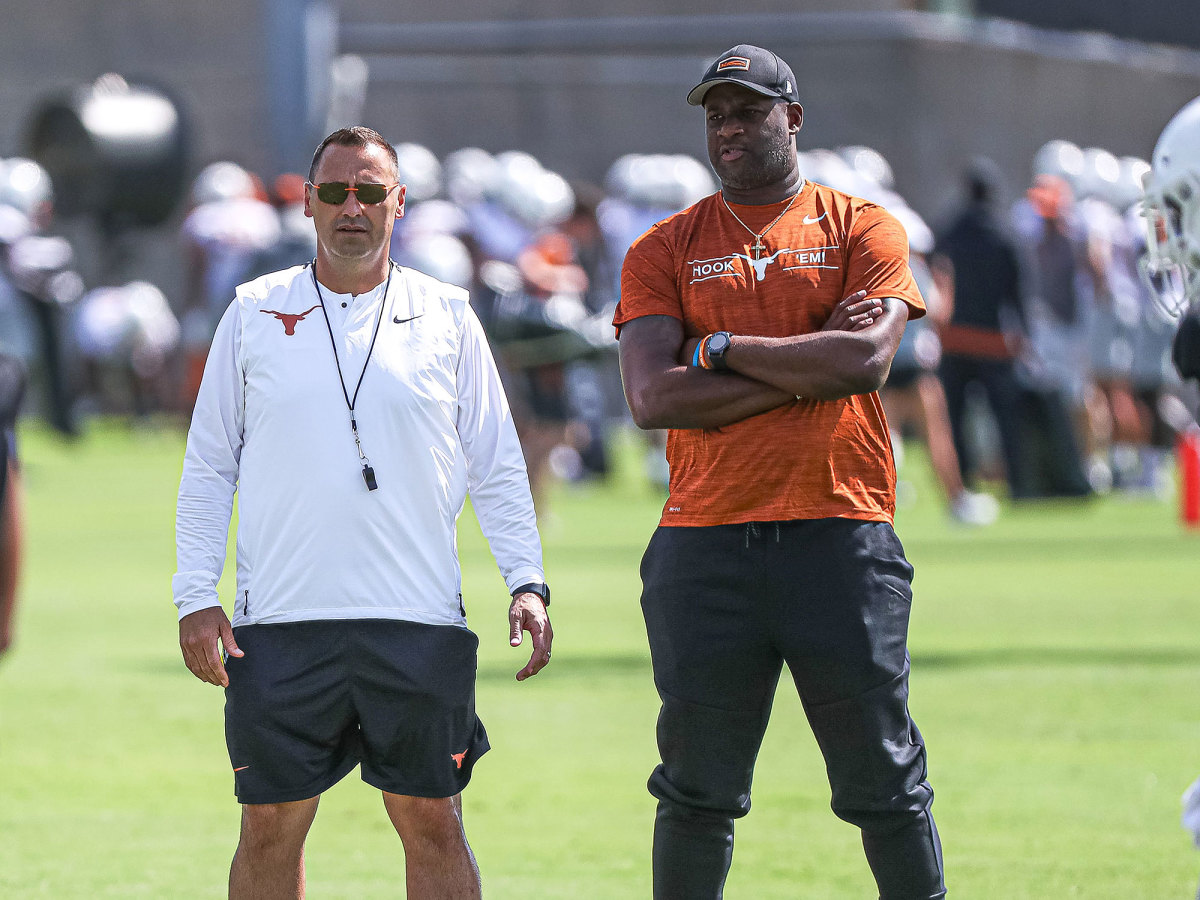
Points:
(351, 228)
(729, 154)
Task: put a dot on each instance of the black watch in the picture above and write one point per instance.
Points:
(534, 587)
(717, 345)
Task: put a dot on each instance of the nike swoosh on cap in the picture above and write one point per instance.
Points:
(809, 220)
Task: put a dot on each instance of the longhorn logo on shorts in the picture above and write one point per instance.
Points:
(458, 759)
(289, 320)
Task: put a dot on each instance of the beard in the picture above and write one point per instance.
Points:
(758, 170)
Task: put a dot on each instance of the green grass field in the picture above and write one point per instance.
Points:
(1056, 662)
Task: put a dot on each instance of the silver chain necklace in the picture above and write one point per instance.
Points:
(758, 247)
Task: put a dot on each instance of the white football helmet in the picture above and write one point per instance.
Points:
(222, 180)
(1099, 176)
(1171, 267)
(470, 174)
(419, 170)
(1061, 158)
(25, 186)
(1130, 189)
(869, 163)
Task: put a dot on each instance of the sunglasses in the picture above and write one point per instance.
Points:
(336, 192)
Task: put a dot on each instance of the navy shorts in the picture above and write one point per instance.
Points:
(310, 700)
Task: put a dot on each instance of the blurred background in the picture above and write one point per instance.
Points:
(928, 84)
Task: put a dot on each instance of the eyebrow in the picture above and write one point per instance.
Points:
(749, 103)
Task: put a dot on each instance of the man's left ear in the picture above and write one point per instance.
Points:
(795, 117)
(400, 206)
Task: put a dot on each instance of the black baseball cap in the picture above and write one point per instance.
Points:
(752, 67)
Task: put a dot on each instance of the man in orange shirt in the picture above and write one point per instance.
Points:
(757, 326)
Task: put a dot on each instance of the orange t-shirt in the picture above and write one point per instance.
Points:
(804, 460)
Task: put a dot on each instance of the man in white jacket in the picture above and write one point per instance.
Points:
(352, 404)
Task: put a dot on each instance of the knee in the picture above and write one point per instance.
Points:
(272, 828)
(884, 809)
(708, 758)
(702, 795)
(434, 822)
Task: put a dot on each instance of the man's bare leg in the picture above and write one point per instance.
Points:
(269, 862)
(12, 537)
(438, 860)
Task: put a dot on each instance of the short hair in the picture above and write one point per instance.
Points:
(983, 180)
(356, 136)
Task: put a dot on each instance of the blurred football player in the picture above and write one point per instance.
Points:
(1172, 271)
(1172, 205)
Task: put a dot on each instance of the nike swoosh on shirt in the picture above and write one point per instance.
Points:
(399, 321)
(809, 220)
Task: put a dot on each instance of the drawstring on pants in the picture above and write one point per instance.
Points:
(753, 531)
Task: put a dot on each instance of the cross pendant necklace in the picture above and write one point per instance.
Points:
(758, 247)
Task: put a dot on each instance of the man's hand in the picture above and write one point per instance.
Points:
(854, 313)
(528, 613)
(199, 633)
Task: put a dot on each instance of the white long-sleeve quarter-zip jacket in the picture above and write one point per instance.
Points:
(272, 423)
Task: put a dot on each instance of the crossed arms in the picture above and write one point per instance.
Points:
(851, 354)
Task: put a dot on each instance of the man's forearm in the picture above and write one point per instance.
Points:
(851, 355)
(686, 397)
(821, 366)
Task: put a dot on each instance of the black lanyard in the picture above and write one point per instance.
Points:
(368, 472)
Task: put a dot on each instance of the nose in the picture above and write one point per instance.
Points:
(729, 126)
(351, 205)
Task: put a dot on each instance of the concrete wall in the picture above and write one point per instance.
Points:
(928, 92)
(1160, 21)
(205, 54)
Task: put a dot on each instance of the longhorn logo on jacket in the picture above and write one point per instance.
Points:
(289, 320)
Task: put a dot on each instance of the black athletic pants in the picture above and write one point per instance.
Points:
(726, 607)
(999, 382)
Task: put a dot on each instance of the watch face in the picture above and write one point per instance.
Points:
(718, 343)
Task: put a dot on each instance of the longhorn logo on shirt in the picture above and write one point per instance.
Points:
(458, 758)
(788, 259)
(289, 320)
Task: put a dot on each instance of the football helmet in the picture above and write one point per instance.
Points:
(419, 170)
(222, 180)
(1171, 266)
(1100, 175)
(470, 174)
(869, 163)
(1059, 157)
(1129, 187)
(25, 186)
